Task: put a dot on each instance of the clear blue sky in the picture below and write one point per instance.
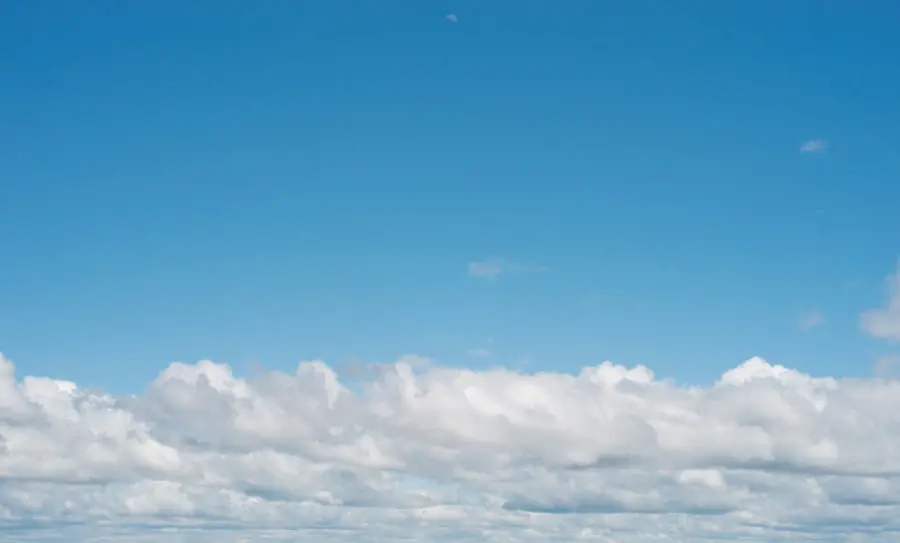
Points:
(280, 181)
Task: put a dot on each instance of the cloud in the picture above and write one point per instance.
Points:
(496, 266)
(452, 17)
(815, 146)
(811, 320)
(888, 365)
(884, 323)
(483, 352)
(430, 453)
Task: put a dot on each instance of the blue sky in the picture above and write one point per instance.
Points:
(303, 180)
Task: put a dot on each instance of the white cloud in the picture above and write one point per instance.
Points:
(452, 17)
(811, 320)
(425, 453)
(884, 322)
(814, 146)
(496, 266)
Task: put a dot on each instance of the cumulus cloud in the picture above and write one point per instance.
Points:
(496, 266)
(420, 452)
(884, 322)
(452, 17)
(814, 146)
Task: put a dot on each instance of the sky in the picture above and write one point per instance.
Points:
(546, 269)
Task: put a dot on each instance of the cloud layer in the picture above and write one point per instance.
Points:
(419, 452)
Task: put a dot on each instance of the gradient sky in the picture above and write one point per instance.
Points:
(283, 181)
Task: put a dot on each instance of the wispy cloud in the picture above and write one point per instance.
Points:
(483, 352)
(452, 17)
(496, 266)
(887, 365)
(811, 320)
(354, 368)
(884, 322)
(815, 146)
(485, 268)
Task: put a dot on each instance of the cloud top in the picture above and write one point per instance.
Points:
(433, 453)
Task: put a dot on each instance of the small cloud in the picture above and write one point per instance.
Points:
(887, 365)
(355, 369)
(485, 268)
(496, 266)
(452, 17)
(811, 320)
(884, 322)
(815, 146)
(483, 352)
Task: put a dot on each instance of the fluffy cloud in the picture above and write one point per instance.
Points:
(420, 452)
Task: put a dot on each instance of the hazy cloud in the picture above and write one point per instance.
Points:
(888, 365)
(496, 266)
(452, 17)
(482, 352)
(419, 452)
(884, 322)
(811, 320)
(814, 146)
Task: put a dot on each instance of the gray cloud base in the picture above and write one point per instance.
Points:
(419, 452)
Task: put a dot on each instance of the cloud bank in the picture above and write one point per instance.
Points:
(423, 453)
